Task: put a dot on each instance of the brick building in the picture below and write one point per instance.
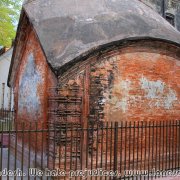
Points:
(90, 61)
(5, 93)
(169, 9)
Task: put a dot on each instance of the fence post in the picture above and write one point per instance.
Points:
(115, 148)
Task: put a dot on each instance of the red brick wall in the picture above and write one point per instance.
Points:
(32, 82)
(144, 86)
(137, 82)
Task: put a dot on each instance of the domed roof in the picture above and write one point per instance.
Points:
(69, 28)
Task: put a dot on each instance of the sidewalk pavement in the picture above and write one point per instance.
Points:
(169, 178)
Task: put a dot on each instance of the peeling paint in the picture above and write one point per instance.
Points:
(144, 86)
(28, 99)
(123, 89)
(158, 92)
(170, 98)
(154, 89)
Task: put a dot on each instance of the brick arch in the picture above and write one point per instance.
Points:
(133, 82)
(162, 46)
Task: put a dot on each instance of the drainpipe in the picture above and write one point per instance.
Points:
(3, 93)
(10, 99)
(163, 8)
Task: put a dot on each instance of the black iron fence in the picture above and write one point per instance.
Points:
(6, 119)
(123, 150)
(6, 107)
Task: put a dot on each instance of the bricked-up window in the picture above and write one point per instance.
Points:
(170, 18)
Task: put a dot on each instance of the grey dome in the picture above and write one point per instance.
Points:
(69, 28)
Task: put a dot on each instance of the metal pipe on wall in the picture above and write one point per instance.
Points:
(163, 8)
(3, 93)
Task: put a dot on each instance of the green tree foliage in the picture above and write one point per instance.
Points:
(9, 14)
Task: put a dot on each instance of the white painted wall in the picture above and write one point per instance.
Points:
(5, 60)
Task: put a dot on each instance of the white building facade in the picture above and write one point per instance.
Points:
(6, 94)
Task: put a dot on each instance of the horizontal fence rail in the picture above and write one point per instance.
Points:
(123, 150)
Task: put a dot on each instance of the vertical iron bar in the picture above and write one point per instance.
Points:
(81, 143)
(15, 146)
(87, 146)
(121, 150)
(102, 142)
(141, 165)
(152, 163)
(129, 148)
(115, 147)
(54, 144)
(176, 150)
(48, 146)
(171, 140)
(149, 150)
(42, 148)
(76, 151)
(35, 165)
(60, 146)
(134, 138)
(160, 135)
(156, 134)
(22, 155)
(71, 147)
(173, 137)
(167, 125)
(29, 151)
(179, 144)
(121, 133)
(163, 149)
(97, 146)
(92, 148)
(106, 161)
(170, 125)
(137, 148)
(8, 166)
(65, 162)
(145, 129)
(111, 145)
(125, 144)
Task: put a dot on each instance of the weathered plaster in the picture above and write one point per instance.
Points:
(159, 94)
(136, 84)
(33, 80)
(122, 88)
(28, 99)
(31, 89)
